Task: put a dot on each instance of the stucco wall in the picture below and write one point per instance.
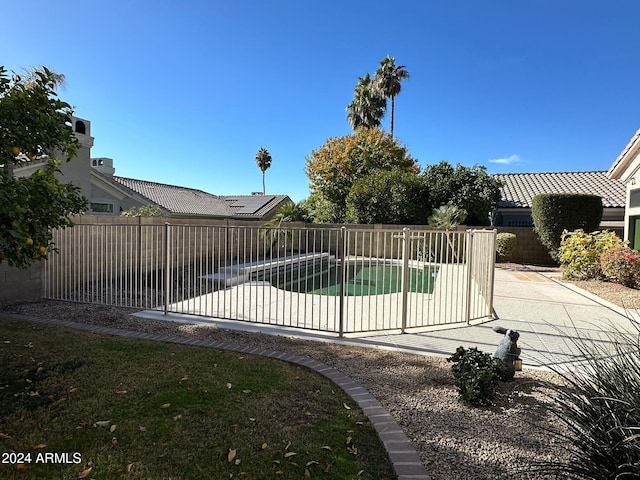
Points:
(20, 285)
(528, 249)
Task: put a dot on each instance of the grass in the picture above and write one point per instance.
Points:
(136, 409)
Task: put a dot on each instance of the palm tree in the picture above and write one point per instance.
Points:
(263, 159)
(368, 105)
(387, 81)
(277, 234)
(447, 218)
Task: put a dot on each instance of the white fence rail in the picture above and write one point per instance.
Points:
(342, 280)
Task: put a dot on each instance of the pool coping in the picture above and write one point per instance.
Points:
(401, 453)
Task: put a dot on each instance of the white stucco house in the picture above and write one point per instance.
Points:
(626, 168)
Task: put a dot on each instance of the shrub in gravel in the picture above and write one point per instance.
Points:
(580, 252)
(599, 406)
(622, 264)
(476, 375)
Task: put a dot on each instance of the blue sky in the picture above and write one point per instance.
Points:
(187, 92)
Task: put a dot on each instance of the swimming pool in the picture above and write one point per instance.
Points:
(361, 278)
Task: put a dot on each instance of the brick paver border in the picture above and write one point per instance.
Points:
(403, 456)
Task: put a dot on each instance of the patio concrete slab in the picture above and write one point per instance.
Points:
(547, 312)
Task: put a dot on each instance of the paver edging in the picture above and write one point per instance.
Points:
(408, 466)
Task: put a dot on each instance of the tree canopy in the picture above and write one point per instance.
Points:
(341, 161)
(469, 188)
(389, 196)
(368, 105)
(34, 126)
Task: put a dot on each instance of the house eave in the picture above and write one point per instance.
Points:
(620, 168)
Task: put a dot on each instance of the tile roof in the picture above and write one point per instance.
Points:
(180, 200)
(259, 205)
(189, 201)
(519, 188)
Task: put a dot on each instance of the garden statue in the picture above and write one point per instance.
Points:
(508, 352)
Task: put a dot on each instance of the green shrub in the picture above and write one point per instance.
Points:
(622, 264)
(598, 404)
(476, 374)
(389, 196)
(143, 211)
(505, 245)
(553, 213)
(580, 252)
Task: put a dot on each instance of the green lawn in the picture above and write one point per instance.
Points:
(145, 410)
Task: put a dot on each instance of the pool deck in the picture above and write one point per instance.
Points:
(547, 312)
(259, 302)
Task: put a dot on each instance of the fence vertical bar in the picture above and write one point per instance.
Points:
(167, 268)
(405, 275)
(343, 273)
(492, 270)
(469, 235)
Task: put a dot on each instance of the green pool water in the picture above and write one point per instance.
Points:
(361, 279)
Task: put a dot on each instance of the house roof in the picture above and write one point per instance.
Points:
(180, 200)
(190, 201)
(621, 164)
(519, 189)
(260, 205)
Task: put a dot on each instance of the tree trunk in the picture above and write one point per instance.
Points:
(393, 108)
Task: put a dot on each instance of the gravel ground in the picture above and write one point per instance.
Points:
(454, 441)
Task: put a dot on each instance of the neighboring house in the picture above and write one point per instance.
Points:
(110, 195)
(181, 201)
(518, 190)
(626, 169)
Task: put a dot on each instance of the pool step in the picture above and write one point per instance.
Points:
(244, 272)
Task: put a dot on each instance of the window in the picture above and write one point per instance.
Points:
(80, 127)
(101, 207)
(518, 222)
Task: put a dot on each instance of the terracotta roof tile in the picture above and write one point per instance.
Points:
(520, 188)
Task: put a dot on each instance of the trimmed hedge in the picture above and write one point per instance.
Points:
(505, 245)
(553, 213)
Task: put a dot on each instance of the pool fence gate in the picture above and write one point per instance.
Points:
(337, 279)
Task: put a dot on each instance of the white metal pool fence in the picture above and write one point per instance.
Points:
(342, 280)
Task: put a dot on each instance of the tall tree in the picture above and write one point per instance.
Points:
(469, 188)
(333, 168)
(387, 81)
(368, 105)
(263, 160)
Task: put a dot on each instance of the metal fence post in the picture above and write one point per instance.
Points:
(491, 259)
(406, 242)
(470, 258)
(167, 268)
(343, 273)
